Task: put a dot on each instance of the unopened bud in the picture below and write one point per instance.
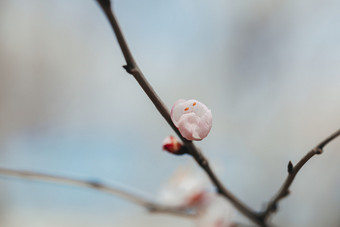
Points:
(171, 145)
(192, 118)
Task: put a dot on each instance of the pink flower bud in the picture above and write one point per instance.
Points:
(192, 118)
(171, 145)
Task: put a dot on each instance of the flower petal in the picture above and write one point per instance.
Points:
(177, 111)
(187, 126)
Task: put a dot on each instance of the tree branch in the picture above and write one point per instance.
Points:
(132, 68)
(292, 172)
(259, 218)
(98, 186)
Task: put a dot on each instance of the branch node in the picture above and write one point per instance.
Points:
(95, 184)
(151, 208)
(274, 207)
(286, 194)
(130, 69)
(181, 151)
(219, 191)
(318, 150)
(290, 167)
(204, 162)
(127, 68)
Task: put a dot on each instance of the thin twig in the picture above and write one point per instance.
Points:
(98, 186)
(292, 172)
(132, 68)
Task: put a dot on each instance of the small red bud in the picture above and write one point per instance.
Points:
(171, 145)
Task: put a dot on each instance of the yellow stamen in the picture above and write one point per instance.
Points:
(186, 109)
(194, 104)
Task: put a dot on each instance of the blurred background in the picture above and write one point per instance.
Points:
(268, 70)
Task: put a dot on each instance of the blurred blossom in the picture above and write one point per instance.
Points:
(217, 212)
(192, 118)
(188, 188)
(185, 188)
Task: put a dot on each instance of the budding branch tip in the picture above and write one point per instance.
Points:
(290, 167)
